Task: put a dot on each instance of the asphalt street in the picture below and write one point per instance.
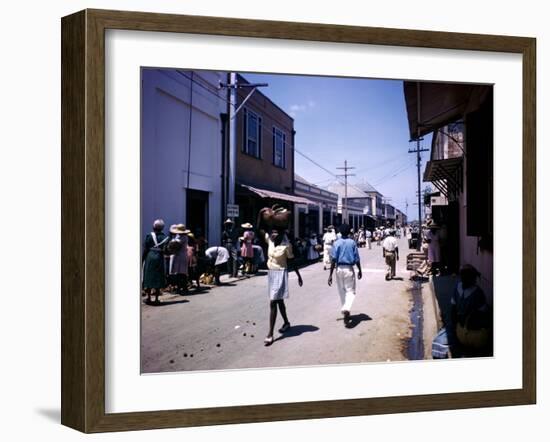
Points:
(224, 327)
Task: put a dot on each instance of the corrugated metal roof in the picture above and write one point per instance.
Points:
(264, 193)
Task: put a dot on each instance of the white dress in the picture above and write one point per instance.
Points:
(312, 254)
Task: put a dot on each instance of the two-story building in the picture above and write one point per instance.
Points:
(378, 210)
(265, 156)
(355, 203)
(181, 149)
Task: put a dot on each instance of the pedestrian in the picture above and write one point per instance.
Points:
(345, 255)
(312, 253)
(368, 237)
(361, 238)
(470, 317)
(328, 240)
(177, 250)
(230, 239)
(192, 259)
(279, 260)
(434, 251)
(154, 277)
(247, 251)
(217, 258)
(390, 252)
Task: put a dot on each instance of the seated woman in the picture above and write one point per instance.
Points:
(470, 317)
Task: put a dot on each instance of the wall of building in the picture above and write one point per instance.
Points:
(177, 138)
(470, 254)
(261, 171)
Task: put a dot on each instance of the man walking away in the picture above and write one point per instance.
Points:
(390, 252)
(344, 256)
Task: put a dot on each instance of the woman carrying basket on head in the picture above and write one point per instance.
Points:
(279, 260)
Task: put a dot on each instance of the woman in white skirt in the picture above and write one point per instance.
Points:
(279, 256)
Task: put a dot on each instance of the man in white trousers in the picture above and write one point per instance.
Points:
(344, 256)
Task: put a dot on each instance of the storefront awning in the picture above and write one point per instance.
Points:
(431, 106)
(446, 175)
(264, 193)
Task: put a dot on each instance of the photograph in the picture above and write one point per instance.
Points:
(305, 220)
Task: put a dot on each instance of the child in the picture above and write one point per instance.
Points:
(344, 256)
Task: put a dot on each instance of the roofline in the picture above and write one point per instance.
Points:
(268, 99)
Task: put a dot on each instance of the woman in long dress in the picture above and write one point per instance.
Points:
(179, 264)
(279, 259)
(154, 277)
(312, 253)
(247, 251)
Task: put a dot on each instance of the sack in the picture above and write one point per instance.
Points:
(440, 345)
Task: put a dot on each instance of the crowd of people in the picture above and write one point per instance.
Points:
(178, 260)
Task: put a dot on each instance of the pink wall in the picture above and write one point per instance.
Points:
(469, 254)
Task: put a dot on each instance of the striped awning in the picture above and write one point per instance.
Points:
(446, 175)
(264, 193)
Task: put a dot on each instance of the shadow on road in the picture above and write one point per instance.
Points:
(196, 291)
(165, 303)
(355, 320)
(297, 330)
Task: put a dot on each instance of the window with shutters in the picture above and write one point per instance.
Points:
(279, 148)
(252, 136)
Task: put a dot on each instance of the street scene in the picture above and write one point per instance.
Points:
(229, 323)
(299, 220)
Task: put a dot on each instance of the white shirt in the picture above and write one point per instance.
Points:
(329, 238)
(390, 244)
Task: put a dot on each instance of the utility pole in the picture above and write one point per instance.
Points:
(345, 175)
(418, 159)
(232, 87)
(419, 192)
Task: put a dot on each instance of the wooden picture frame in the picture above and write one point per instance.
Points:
(83, 220)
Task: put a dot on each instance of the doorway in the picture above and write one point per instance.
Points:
(197, 212)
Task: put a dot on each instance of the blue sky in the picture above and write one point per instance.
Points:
(363, 121)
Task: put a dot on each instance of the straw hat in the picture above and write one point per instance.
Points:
(228, 221)
(179, 229)
(247, 226)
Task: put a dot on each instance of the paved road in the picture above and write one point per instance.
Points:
(224, 327)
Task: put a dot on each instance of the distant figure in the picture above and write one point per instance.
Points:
(230, 240)
(194, 274)
(154, 278)
(390, 252)
(345, 255)
(328, 240)
(177, 248)
(368, 238)
(361, 238)
(247, 251)
(434, 251)
(279, 259)
(471, 317)
(312, 253)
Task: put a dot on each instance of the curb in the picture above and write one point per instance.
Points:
(432, 318)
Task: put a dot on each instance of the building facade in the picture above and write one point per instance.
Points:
(321, 212)
(181, 127)
(265, 155)
(460, 167)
